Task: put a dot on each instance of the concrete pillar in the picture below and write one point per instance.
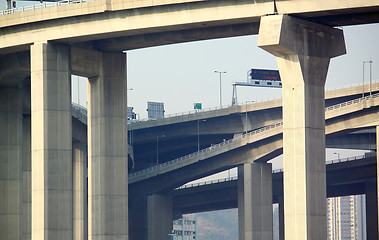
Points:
(138, 218)
(281, 218)
(51, 142)
(241, 204)
(159, 216)
(10, 163)
(371, 210)
(26, 180)
(303, 50)
(257, 202)
(107, 150)
(377, 174)
(79, 194)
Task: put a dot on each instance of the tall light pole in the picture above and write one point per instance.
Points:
(220, 85)
(370, 62)
(158, 147)
(198, 133)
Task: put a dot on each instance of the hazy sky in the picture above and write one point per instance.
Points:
(182, 74)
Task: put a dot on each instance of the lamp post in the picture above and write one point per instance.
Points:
(370, 62)
(198, 133)
(220, 85)
(158, 148)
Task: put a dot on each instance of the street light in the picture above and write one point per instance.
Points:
(158, 147)
(370, 62)
(220, 85)
(198, 133)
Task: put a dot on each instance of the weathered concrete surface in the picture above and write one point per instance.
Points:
(159, 216)
(11, 173)
(303, 50)
(51, 142)
(127, 24)
(371, 209)
(107, 150)
(256, 206)
(26, 179)
(79, 191)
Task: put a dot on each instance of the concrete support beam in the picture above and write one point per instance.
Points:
(10, 163)
(303, 50)
(371, 210)
(159, 216)
(107, 150)
(256, 205)
(51, 142)
(377, 175)
(79, 194)
(281, 218)
(241, 203)
(26, 179)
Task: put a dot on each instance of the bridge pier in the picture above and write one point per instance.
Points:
(26, 179)
(51, 141)
(107, 150)
(371, 210)
(303, 50)
(79, 194)
(255, 201)
(11, 163)
(150, 217)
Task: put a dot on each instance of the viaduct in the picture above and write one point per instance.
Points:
(88, 39)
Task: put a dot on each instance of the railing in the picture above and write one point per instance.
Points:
(79, 112)
(42, 5)
(371, 154)
(208, 149)
(219, 145)
(239, 104)
(351, 102)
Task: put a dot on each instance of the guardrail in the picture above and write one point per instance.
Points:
(240, 104)
(219, 145)
(42, 5)
(351, 102)
(79, 112)
(220, 180)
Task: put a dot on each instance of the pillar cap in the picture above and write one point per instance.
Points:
(283, 35)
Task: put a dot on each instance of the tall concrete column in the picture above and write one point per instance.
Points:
(51, 142)
(303, 50)
(371, 209)
(107, 150)
(79, 194)
(241, 203)
(377, 174)
(26, 180)
(257, 203)
(281, 218)
(159, 216)
(10, 163)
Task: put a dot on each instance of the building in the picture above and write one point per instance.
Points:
(346, 218)
(185, 227)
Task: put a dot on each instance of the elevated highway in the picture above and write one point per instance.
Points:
(181, 134)
(259, 145)
(88, 39)
(344, 177)
(118, 25)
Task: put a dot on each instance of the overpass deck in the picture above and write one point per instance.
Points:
(265, 143)
(344, 177)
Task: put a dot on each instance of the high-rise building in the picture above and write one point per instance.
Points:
(185, 227)
(346, 218)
